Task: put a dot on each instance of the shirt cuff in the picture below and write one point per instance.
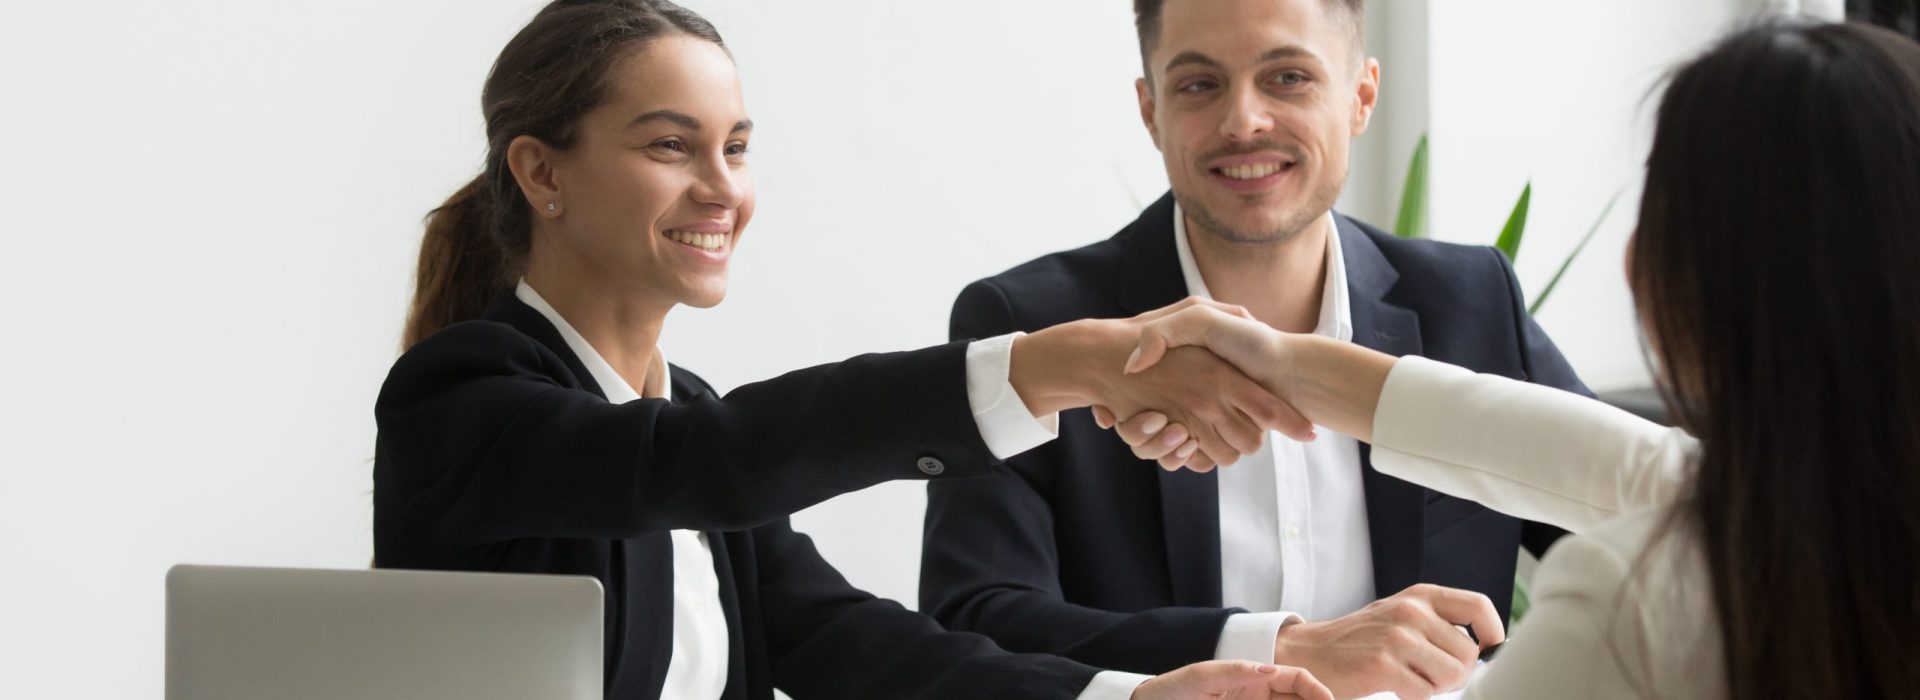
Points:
(1113, 685)
(1251, 636)
(1004, 421)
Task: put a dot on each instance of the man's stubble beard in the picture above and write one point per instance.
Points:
(1317, 206)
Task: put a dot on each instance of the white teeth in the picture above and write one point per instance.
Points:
(1251, 172)
(710, 242)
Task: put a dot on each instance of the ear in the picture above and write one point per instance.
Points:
(533, 164)
(1144, 93)
(1366, 94)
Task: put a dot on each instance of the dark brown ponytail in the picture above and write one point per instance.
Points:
(549, 75)
(461, 266)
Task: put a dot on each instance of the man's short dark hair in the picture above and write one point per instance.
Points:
(1146, 18)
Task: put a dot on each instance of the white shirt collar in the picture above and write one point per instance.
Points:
(1336, 313)
(611, 383)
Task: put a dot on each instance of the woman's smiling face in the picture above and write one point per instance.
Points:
(655, 192)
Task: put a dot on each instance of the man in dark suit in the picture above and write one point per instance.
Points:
(1301, 554)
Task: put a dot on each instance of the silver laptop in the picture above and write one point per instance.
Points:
(306, 634)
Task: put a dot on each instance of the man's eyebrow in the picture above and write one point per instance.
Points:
(1189, 58)
(1288, 52)
(1185, 58)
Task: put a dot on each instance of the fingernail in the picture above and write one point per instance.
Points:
(1135, 357)
(1154, 423)
(1173, 437)
(1188, 449)
(1267, 668)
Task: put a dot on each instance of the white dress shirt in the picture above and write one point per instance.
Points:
(697, 669)
(1294, 541)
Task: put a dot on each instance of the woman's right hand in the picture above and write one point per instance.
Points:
(1222, 413)
(1228, 332)
(1325, 381)
(1225, 331)
(1233, 680)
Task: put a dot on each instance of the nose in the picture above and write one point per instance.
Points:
(720, 184)
(1246, 117)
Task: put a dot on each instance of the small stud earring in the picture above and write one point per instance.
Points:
(551, 207)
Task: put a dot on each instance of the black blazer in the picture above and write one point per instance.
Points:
(1077, 548)
(498, 452)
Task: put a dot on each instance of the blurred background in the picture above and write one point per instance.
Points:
(212, 211)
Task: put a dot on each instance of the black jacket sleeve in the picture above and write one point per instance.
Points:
(480, 440)
(989, 564)
(827, 639)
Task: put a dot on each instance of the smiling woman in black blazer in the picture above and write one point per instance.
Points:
(533, 426)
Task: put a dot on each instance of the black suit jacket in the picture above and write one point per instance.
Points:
(498, 452)
(1077, 548)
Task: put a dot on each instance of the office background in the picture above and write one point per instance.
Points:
(213, 208)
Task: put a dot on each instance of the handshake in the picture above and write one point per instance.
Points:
(1197, 385)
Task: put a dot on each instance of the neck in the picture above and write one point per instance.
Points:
(623, 327)
(1280, 283)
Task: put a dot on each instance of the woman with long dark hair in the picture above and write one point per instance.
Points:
(533, 426)
(1770, 545)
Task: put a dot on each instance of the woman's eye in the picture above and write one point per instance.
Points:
(736, 150)
(674, 145)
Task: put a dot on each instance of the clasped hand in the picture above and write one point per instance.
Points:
(1191, 406)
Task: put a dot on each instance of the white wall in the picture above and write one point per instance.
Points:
(1562, 93)
(213, 207)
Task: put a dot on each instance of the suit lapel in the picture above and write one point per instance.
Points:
(730, 607)
(507, 308)
(1190, 512)
(1396, 510)
(1189, 502)
(1149, 264)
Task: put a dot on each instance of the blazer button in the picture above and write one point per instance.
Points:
(931, 466)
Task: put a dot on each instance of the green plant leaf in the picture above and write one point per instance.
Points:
(1516, 227)
(1522, 601)
(1567, 263)
(1412, 221)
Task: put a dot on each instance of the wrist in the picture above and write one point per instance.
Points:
(1303, 366)
(1335, 384)
(1065, 366)
(1285, 652)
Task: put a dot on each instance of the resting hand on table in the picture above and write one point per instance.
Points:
(1233, 680)
(1410, 644)
(1220, 413)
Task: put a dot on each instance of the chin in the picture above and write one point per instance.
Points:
(704, 299)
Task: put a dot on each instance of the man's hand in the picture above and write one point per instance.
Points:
(1233, 680)
(1409, 644)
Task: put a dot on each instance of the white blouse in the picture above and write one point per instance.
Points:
(1622, 608)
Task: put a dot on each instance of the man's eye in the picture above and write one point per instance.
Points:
(1290, 79)
(1197, 86)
